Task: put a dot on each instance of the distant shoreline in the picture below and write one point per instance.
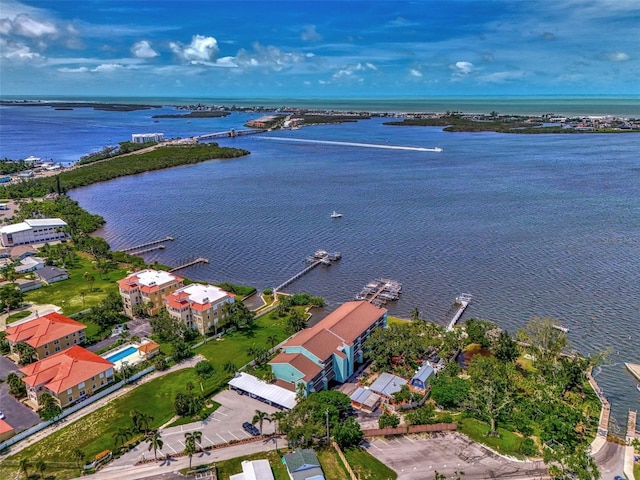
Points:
(623, 106)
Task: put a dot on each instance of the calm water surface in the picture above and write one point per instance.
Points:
(530, 225)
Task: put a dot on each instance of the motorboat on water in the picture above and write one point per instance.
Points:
(336, 215)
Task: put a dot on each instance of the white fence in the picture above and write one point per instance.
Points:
(88, 401)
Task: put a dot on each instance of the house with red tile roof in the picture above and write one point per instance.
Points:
(330, 349)
(69, 376)
(6, 431)
(48, 334)
(149, 289)
(199, 306)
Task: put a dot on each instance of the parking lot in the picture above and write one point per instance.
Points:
(16, 414)
(416, 457)
(223, 426)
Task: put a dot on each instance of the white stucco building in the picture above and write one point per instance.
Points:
(32, 231)
(199, 306)
(147, 137)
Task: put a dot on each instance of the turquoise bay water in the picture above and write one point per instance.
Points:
(540, 225)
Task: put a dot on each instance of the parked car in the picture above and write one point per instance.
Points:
(2, 416)
(249, 428)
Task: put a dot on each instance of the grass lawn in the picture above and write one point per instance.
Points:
(331, 464)
(14, 317)
(367, 466)
(230, 467)
(636, 470)
(507, 443)
(67, 294)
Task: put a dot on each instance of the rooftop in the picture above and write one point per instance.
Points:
(387, 384)
(42, 330)
(273, 393)
(66, 369)
(148, 278)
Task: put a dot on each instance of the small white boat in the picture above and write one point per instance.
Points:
(336, 215)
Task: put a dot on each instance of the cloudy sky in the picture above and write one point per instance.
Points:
(365, 48)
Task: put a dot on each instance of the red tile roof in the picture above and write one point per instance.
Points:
(343, 325)
(65, 369)
(43, 330)
(148, 347)
(5, 427)
(301, 363)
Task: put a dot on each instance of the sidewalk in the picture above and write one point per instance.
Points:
(189, 363)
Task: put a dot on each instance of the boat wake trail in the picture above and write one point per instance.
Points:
(354, 144)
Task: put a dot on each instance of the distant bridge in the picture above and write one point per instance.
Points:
(227, 134)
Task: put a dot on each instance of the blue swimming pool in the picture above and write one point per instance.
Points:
(121, 354)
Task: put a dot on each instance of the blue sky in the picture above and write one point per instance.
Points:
(312, 49)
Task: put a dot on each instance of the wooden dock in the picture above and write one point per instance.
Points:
(321, 257)
(148, 244)
(462, 301)
(147, 250)
(190, 264)
(605, 412)
(379, 292)
(631, 425)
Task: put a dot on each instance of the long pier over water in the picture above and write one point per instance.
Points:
(321, 257)
(148, 244)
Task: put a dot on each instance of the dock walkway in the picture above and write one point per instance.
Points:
(148, 244)
(321, 257)
(463, 300)
(189, 264)
(634, 369)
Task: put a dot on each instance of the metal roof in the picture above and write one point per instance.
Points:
(426, 370)
(387, 384)
(273, 393)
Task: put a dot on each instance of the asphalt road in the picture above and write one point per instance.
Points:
(610, 460)
(419, 457)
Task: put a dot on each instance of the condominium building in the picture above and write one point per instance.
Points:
(48, 334)
(147, 288)
(33, 231)
(330, 349)
(69, 376)
(199, 306)
(147, 137)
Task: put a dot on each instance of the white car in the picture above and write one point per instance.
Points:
(2, 416)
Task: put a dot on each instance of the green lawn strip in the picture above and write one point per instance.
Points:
(67, 294)
(226, 468)
(397, 321)
(331, 464)
(18, 316)
(507, 443)
(367, 466)
(208, 410)
(636, 470)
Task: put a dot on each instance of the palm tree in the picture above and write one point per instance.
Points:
(272, 340)
(278, 417)
(415, 314)
(259, 418)
(230, 367)
(190, 447)
(155, 442)
(79, 456)
(140, 421)
(120, 435)
(41, 467)
(24, 466)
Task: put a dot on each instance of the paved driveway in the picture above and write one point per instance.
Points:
(17, 415)
(223, 426)
(418, 457)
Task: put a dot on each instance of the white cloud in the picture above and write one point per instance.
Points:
(267, 57)
(463, 68)
(501, 77)
(618, 56)
(415, 73)
(142, 49)
(73, 70)
(108, 67)
(19, 52)
(349, 70)
(310, 35)
(201, 50)
(26, 26)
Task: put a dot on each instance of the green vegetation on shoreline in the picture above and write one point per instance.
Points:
(107, 107)
(195, 114)
(158, 159)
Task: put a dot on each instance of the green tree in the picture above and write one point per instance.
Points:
(544, 341)
(490, 395)
(79, 456)
(49, 407)
(477, 331)
(140, 421)
(295, 322)
(121, 435)
(155, 442)
(204, 369)
(5, 347)
(415, 314)
(278, 417)
(347, 433)
(24, 466)
(230, 367)
(10, 297)
(17, 388)
(387, 420)
(41, 467)
(449, 392)
(571, 463)
(272, 340)
(90, 279)
(190, 443)
(506, 348)
(259, 418)
(26, 353)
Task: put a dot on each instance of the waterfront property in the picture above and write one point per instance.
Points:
(147, 289)
(199, 307)
(147, 137)
(69, 376)
(387, 384)
(421, 378)
(330, 349)
(48, 334)
(40, 230)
